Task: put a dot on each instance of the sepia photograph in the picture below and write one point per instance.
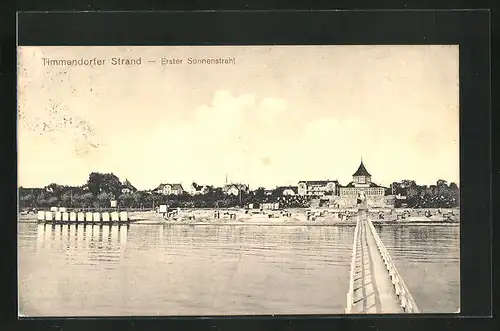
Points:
(238, 180)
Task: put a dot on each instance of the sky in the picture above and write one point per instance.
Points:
(278, 115)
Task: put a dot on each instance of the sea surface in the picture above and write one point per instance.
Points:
(151, 270)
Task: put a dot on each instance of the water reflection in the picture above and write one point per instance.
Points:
(97, 242)
(40, 233)
(212, 270)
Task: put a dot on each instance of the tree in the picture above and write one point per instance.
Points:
(210, 189)
(136, 199)
(26, 200)
(398, 189)
(108, 183)
(52, 201)
(41, 199)
(66, 198)
(217, 193)
(441, 183)
(259, 193)
(55, 189)
(127, 200)
(453, 187)
(104, 199)
(83, 200)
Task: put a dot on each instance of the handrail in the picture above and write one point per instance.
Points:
(350, 292)
(405, 298)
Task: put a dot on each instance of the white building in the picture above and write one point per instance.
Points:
(127, 187)
(288, 190)
(169, 189)
(235, 189)
(363, 191)
(362, 185)
(318, 187)
(196, 189)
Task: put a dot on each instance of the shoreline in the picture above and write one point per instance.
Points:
(337, 223)
(204, 217)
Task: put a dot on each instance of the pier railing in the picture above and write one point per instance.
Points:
(404, 296)
(350, 292)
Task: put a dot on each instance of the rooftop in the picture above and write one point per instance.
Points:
(351, 184)
(173, 186)
(318, 182)
(361, 171)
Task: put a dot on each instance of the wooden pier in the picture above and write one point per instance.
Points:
(375, 285)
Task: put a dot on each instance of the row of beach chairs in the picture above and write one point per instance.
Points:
(59, 216)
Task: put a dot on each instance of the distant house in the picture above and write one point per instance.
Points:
(169, 189)
(196, 189)
(235, 189)
(318, 187)
(268, 192)
(288, 190)
(127, 187)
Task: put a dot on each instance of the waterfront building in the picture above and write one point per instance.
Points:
(169, 189)
(362, 184)
(318, 188)
(362, 187)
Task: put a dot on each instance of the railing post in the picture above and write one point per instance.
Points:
(397, 286)
(350, 292)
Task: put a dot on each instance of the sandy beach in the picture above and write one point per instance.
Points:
(295, 217)
(290, 217)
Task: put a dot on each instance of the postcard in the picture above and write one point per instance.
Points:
(238, 180)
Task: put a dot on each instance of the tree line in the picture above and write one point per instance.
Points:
(441, 195)
(101, 188)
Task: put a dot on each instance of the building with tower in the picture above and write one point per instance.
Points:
(362, 185)
(362, 190)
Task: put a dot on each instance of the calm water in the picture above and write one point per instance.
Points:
(428, 259)
(218, 270)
